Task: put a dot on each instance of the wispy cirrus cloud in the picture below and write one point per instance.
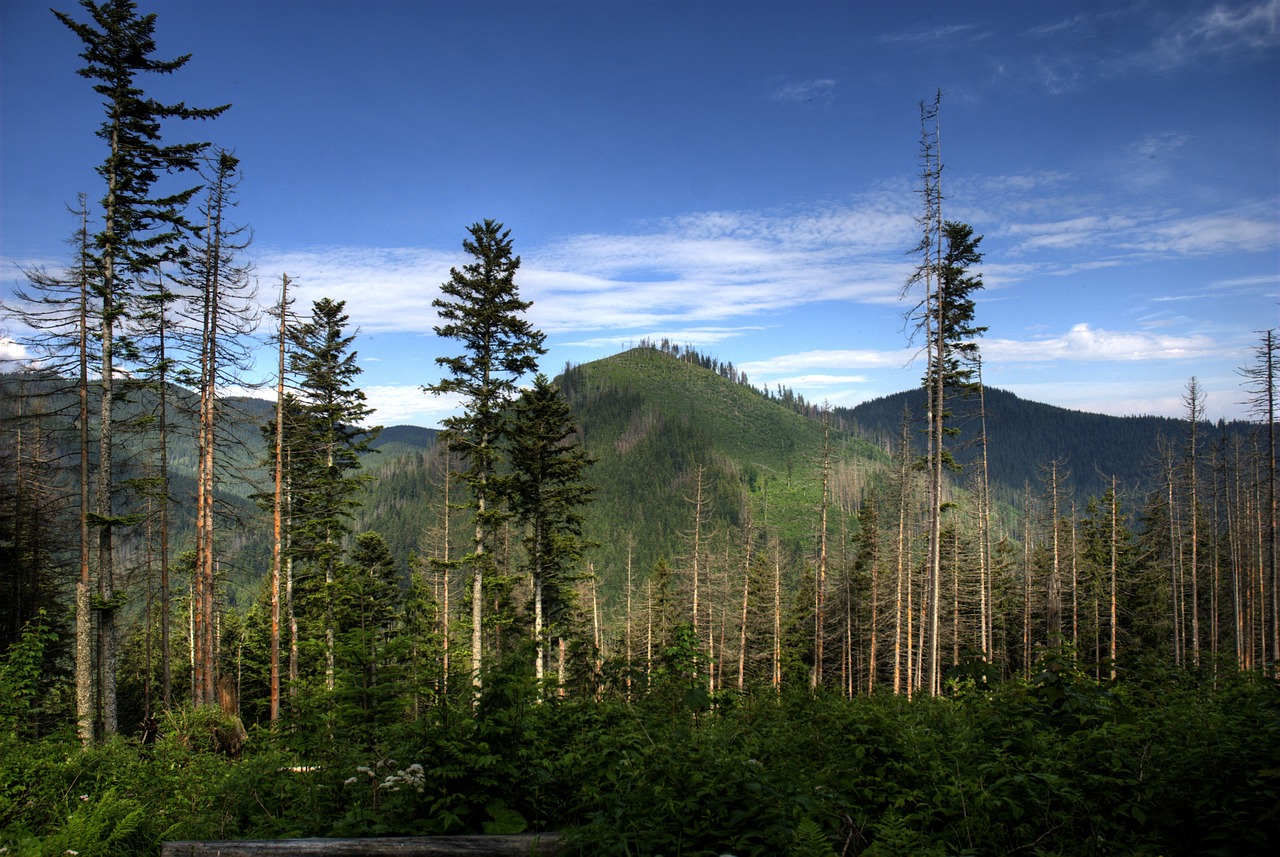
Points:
(820, 90)
(708, 277)
(1212, 233)
(1226, 30)
(941, 33)
(1064, 234)
(691, 273)
(386, 289)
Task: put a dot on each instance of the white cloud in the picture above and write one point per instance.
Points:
(1263, 280)
(821, 90)
(942, 33)
(408, 405)
(12, 351)
(1160, 144)
(385, 289)
(1225, 30)
(1214, 233)
(1062, 234)
(1086, 343)
(708, 276)
(785, 364)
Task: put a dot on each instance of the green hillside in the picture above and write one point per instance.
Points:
(652, 419)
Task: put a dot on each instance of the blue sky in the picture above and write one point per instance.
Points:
(738, 176)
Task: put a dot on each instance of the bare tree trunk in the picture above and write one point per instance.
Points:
(106, 479)
(1115, 551)
(1075, 584)
(937, 410)
(630, 547)
(1175, 548)
(1054, 621)
(777, 615)
(477, 593)
(538, 631)
(166, 687)
(1235, 552)
(746, 591)
(1026, 584)
(697, 553)
(955, 595)
(873, 655)
(987, 619)
(648, 629)
(85, 684)
(277, 508)
(290, 611)
(904, 562)
(445, 613)
(1195, 410)
(820, 585)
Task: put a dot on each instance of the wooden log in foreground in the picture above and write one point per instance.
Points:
(521, 845)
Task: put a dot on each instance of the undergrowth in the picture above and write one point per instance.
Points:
(1059, 765)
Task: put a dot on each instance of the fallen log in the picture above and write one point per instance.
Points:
(520, 845)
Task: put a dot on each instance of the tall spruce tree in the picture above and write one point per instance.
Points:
(482, 309)
(548, 493)
(325, 438)
(140, 226)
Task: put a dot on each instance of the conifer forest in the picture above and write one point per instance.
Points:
(639, 602)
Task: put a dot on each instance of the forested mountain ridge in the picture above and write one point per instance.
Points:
(651, 419)
(1024, 436)
(655, 422)
(655, 425)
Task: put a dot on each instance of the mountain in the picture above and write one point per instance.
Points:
(1024, 436)
(655, 422)
(665, 428)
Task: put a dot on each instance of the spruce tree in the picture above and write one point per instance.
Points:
(548, 493)
(325, 437)
(140, 226)
(482, 309)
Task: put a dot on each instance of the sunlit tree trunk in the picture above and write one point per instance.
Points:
(820, 584)
(277, 506)
(1115, 563)
(746, 592)
(85, 677)
(1194, 401)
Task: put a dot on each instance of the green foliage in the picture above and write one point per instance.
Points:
(108, 826)
(1159, 763)
(203, 729)
(22, 674)
(650, 419)
(808, 840)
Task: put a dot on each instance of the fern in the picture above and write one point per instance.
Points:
(894, 837)
(808, 840)
(110, 826)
